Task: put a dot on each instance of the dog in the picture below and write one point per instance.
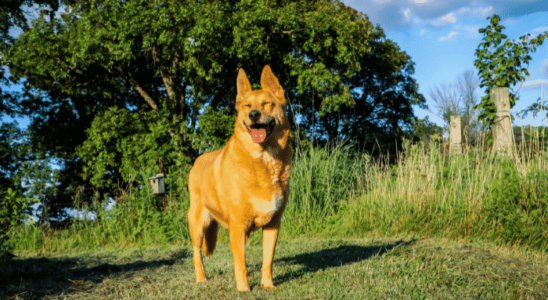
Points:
(245, 185)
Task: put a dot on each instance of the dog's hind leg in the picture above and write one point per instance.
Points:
(210, 236)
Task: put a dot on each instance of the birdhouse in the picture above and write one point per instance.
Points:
(158, 184)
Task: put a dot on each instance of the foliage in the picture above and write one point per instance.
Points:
(176, 63)
(14, 150)
(12, 206)
(12, 15)
(120, 142)
(22, 169)
(502, 64)
(216, 127)
(423, 130)
(517, 206)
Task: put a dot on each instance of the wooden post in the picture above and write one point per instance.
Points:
(503, 135)
(456, 135)
(162, 171)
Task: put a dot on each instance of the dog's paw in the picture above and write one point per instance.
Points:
(268, 286)
(244, 288)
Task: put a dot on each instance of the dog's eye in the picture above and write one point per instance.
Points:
(247, 105)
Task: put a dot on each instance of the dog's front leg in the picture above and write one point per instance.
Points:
(270, 237)
(237, 235)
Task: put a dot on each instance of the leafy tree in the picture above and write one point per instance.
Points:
(423, 130)
(502, 64)
(382, 92)
(28, 154)
(459, 99)
(12, 206)
(111, 81)
(12, 16)
(13, 146)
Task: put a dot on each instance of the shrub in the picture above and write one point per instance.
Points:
(12, 206)
(517, 207)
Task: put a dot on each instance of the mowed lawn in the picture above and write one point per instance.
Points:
(304, 268)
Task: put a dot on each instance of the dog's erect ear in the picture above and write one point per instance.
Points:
(269, 82)
(243, 85)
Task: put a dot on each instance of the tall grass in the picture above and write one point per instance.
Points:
(339, 191)
(137, 219)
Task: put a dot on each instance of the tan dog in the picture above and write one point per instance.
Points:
(245, 185)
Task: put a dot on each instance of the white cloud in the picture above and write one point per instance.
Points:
(544, 68)
(464, 10)
(509, 21)
(541, 29)
(533, 84)
(472, 31)
(423, 31)
(407, 14)
(452, 35)
(388, 13)
(449, 18)
(444, 20)
(483, 11)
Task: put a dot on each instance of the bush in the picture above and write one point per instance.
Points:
(12, 206)
(517, 207)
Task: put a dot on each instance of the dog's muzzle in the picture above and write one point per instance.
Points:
(259, 132)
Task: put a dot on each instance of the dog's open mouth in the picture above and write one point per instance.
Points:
(259, 132)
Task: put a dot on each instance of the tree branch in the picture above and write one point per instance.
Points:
(139, 89)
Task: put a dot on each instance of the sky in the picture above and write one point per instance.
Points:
(441, 36)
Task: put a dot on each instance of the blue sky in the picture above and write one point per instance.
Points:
(441, 36)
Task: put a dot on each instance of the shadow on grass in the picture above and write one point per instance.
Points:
(334, 257)
(37, 278)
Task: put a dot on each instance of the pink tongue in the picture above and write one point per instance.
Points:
(258, 135)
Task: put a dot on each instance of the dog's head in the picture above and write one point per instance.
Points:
(261, 113)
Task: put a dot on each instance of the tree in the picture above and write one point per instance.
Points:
(18, 161)
(423, 130)
(131, 80)
(459, 99)
(502, 65)
(382, 92)
(12, 16)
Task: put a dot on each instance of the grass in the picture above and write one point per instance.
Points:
(305, 268)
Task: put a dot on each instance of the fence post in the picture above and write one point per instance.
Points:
(456, 135)
(503, 135)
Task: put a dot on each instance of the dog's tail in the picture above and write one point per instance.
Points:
(210, 237)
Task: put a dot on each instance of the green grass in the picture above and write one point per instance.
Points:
(365, 268)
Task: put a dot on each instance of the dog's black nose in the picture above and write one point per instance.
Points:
(254, 115)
